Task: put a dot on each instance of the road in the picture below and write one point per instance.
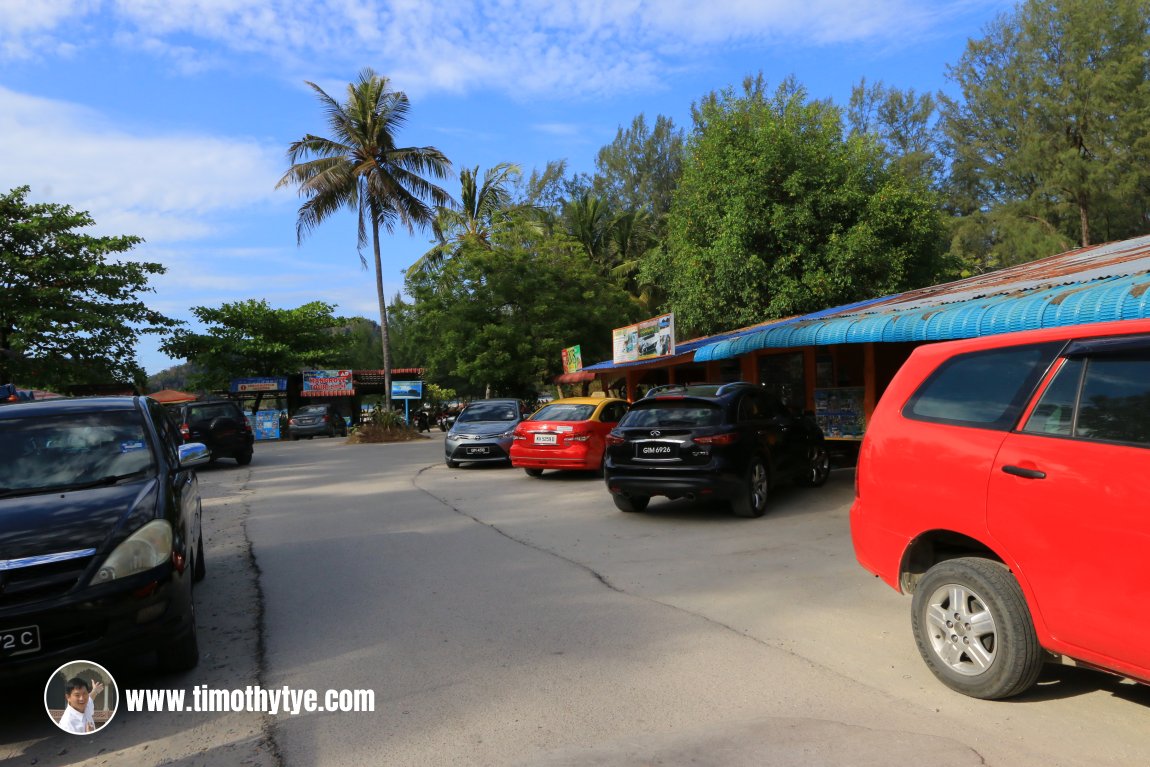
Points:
(504, 620)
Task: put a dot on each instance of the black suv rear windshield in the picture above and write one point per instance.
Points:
(673, 413)
(210, 411)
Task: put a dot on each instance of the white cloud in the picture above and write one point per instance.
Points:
(70, 154)
(521, 47)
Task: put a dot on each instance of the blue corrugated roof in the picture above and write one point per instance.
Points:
(1113, 298)
(1093, 284)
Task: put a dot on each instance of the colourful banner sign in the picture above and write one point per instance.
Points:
(644, 340)
(572, 359)
(327, 383)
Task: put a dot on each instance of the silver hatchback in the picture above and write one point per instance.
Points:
(483, 432)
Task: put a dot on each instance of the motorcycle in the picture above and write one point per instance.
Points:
(445, 420)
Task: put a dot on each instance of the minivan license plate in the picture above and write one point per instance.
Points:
(19, 640)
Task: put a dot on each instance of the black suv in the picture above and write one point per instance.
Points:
(727, 441)
(220, 425)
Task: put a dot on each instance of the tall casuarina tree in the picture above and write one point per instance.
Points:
(360, 168)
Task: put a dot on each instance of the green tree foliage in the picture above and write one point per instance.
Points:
(1049, 139)
(481, 207)
(69, 314)
(498, 319)
(777, 213)
(363, 345)
(175, 377)
(640, 169)
(250, 338)
(361, 169)
(904, 124)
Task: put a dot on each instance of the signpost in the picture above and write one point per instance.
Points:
(407, 391)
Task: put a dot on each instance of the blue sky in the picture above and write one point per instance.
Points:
(169, 119)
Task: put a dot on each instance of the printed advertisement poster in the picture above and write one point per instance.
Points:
(407, 389)
(645, 340)
(572, 359)
(327, 383)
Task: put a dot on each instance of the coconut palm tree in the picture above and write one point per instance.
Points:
(361, 169)
(471, 222)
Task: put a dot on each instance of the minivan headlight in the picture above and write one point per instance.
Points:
(148, 547)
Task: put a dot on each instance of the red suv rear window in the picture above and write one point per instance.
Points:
(987, 389)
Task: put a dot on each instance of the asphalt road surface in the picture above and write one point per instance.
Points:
(505, 620)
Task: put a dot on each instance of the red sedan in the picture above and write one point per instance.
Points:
(566, 434)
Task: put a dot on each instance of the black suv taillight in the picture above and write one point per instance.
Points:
(717, 439)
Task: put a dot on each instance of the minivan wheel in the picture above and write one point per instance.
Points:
(630, 502)
(200, 568)
(752, 502)
(818, 467)
(181, 653)
(973, 629)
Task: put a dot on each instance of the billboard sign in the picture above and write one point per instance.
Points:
(407, 389)
(327, 383)
(644, 340)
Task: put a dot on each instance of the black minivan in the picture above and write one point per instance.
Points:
(100, 534)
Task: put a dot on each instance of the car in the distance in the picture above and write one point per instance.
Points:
(731, 442)
(321, 420)
(483, 432)
(100, 534)
(1001, 483)
(219, 424)
(566, 433)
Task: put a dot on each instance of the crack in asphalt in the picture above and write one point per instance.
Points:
(777, 645)
(267, 725)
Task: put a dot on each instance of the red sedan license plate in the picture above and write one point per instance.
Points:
(18, 641)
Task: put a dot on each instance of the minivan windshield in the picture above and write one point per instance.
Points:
(72, 451)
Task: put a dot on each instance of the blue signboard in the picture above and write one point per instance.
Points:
(251, 385)
(407, 389)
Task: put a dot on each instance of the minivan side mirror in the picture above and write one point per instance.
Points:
(193, 454)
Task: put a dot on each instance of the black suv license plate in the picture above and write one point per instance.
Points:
(19, 640)
(656, 450)
(478, 450)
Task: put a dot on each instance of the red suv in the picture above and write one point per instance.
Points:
(1001, 483)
